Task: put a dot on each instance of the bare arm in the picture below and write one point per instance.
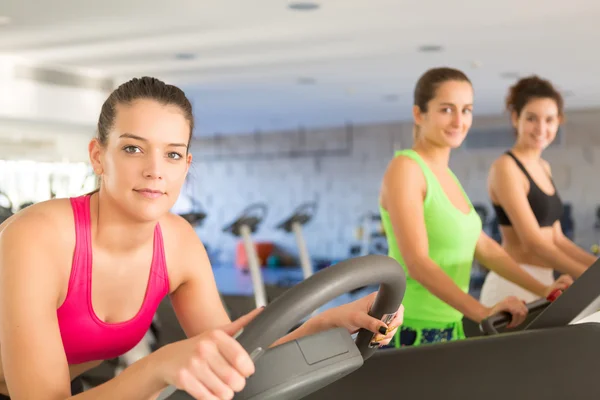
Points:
(402, 195)
(570, 248)
(492, 256)
(513, 199)
(29, 331)
(196, 300)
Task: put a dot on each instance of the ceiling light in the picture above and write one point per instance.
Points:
(509, 75)
(185, 56)
(476, 64)
(4, 20)
(303, 6)
(430, 48)
(306, 80)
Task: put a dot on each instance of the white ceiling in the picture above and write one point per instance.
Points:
(250, 55)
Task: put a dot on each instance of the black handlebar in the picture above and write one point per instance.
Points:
(490, 325)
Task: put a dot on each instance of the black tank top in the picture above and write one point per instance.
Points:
(547, 209)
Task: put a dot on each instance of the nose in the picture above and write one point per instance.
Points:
(457, 120)
(538, 128)
(153, 167)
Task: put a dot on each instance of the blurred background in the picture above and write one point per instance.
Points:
(294, 102)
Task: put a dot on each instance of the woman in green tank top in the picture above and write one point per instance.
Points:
(432, 228)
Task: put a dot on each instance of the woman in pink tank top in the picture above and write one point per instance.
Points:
(81, 278)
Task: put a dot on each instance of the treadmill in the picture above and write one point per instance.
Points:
(554, 357)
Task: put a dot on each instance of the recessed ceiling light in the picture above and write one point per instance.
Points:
(509, 75)
(4, 20)
(476, 64)
(185, 56)
(430, 48)
(303, 6)
(305, 80)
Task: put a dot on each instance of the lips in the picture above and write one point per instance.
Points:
(150, 193)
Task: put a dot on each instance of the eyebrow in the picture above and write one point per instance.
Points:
(453, 105)
(532, 114)
(132, 136)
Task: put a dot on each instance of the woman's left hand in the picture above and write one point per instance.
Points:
(355, 315)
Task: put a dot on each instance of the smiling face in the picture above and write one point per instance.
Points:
(144, 162)
(448, 115)
(537, 124)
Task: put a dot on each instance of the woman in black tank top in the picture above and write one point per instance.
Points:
(524, 196)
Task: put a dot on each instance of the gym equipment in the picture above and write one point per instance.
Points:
(194, 218)
(25, 205)
(371, 235)
(595, 248)
(6, 207)
(297, 368)
(300, 217)
(554, 357)
(491, 325)
(196, 215)
(482, 211)
(245, 225)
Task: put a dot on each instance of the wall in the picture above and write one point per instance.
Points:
(47, 115)
(344, 177)
(44, 141)
(32, 93)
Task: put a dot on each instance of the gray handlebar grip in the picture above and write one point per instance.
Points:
(301, 300)
(489, 325)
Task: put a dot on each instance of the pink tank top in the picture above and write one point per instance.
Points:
(85, 337)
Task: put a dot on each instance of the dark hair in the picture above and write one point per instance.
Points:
(142, 88)
(431, 80)
(529, 88)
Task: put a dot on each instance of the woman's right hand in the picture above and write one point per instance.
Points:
(515, 307)
(210, 366)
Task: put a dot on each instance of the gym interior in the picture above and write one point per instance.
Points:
(299, 108)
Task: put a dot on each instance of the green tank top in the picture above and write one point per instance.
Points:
(452, 236)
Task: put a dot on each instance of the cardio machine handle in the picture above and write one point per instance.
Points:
(301, 300)
(257, 210)
(489, 325)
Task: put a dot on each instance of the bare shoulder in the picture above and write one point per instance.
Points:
(38, 242)
(183, 248)
(504, 167)
(405, 169)
(503, 162)
(45, 222)
(403, 178)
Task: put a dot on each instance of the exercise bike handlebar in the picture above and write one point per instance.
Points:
(490, 325)
(251, 216)
(301, 215)
(252, 208)
(308, 208)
